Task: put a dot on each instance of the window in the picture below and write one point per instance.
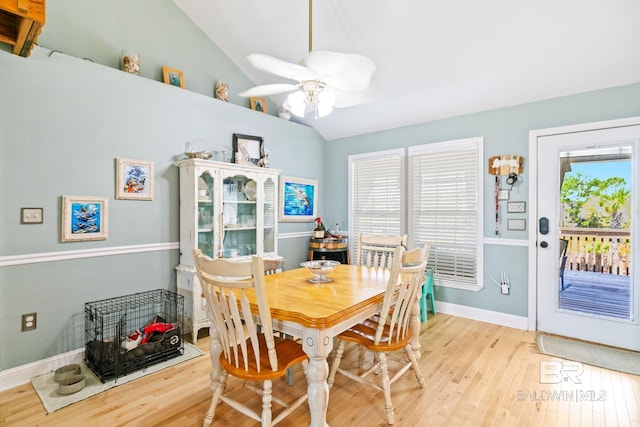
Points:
(376, 181)
(444, 193)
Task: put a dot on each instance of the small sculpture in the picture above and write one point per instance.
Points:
(222, 91)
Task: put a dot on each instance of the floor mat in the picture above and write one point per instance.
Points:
(591, 354)
(47, 388)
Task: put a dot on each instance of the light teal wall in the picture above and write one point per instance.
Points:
(505, 131)
(64, 121)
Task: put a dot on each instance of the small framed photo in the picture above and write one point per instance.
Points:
(31, 216)
(134, 179)
(258, 104)
(517, 207)
(84, 218)
(297, 199)
(173, 77)
(517, 224)
(247, 149)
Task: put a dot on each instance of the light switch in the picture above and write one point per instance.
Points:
(32, 215)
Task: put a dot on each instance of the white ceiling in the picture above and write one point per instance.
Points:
(437, 59)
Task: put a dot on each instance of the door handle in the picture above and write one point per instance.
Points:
(544, 225)
(543, 244)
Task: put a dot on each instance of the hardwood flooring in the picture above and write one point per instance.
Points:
(477, 374)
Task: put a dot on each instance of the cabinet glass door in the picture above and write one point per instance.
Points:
(205, 214)
(270, 204)
(239, 214)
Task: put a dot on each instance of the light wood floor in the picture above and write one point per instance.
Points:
(477, 374)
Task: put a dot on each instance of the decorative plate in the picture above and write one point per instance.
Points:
(250, 190)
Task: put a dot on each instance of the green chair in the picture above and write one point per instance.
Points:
(427, 289)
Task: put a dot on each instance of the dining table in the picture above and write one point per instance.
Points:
(316, 313)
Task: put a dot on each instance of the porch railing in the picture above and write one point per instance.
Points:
(600, 250)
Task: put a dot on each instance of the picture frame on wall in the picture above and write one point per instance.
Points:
(258, 104)
(134, 179)
(298, 199)
(84, 218)
(173, 77)
(247, 149)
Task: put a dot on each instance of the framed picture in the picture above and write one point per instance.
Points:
(517, 224)
(517, 207)
(247, 149)
(258, 104)
(134, 179)
(84, 218)
(173, 77)
(298, 199)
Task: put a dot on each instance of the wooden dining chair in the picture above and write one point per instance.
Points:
(389, 331)
(246, 353)
(376, 250)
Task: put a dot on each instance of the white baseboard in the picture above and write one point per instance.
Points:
(482, 315)
(22, 374)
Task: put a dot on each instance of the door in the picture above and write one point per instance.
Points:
(578, 303)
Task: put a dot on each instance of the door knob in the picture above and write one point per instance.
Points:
(543, 244)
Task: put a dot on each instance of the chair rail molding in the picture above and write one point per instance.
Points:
(85, 253)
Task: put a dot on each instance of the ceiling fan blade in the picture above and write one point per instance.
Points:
(345, 71)
(266, 90)
(281, 68)
(347, 98)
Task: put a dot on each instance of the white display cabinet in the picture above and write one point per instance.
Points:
(227, 211)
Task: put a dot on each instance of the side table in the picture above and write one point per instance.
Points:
(329, 248)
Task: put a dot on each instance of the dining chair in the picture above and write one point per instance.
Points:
(273, 266)
(389, 331)
(246, 354)
(427, 292)
(376, 250)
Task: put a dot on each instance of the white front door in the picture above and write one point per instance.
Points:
(554, 153)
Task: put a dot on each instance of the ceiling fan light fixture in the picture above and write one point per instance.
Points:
(296, 103)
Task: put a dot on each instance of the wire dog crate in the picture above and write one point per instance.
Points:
(131, 332)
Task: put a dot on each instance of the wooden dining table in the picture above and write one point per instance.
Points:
(316, 313)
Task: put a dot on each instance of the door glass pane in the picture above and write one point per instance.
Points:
(595, 223)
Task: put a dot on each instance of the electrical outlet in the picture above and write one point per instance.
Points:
(29, 322)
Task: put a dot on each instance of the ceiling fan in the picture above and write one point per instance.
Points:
(325, 80)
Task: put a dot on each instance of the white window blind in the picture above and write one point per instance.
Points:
(375, 194)
(444, 191)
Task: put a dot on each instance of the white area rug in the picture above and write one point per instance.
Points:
(47, 388)
(591, 354)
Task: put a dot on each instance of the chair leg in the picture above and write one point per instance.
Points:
(423, 303)
(289, 377)
(335, 364)
(222, 382)
(414, 363)
(266, 403)
(386, 385)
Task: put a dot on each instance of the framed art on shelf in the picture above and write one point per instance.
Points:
(134, 179)
(84, 218)
(247, 149)
(173, 77)
(258, 104)
(298, 199)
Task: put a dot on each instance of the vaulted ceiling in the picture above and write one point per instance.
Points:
(436, 59)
